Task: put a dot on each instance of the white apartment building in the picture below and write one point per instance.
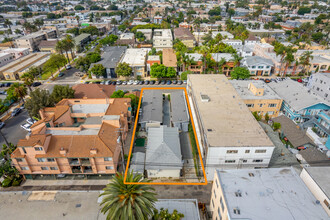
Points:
(6, 58)
(162, 38)
(317, 180)
(17, 52)
(233, 42)
(272, 194)
(229, 137)
(258, 66)
(136, 58)
(320, 84)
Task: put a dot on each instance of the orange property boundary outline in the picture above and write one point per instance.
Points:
(133, 137)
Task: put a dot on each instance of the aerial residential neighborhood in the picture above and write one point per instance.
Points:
(176, 110)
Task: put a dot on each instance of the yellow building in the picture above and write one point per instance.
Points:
(258, 96)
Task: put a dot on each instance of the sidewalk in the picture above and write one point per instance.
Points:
(65, 183)
(7, 114)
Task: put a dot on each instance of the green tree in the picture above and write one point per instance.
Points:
(38, 23)
(92, 30)
(267, 117)
(38, 99)
(94, 57)
(304, 10)
(118, 94)
(16, 91)
(140, 36)
(56, 61)
(128, 201)
(79, 8)
(240, 73)
(74, 31)
(305, 59)
(256, 116)
(123, 69)
(184, 75)
(163, 214)
(109, 40)
(28, 79)
(83, 63)
(276, 126)
(69, 45)
(8, 23)
(231, 12)
(62, 92)
(317, 37)
(98, 70)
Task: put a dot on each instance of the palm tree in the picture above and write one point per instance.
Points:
(8, 23)
(237, 58)
(69, 44)
(28, 79)
(204, 50)
(61, 46)
(19, 91)
(128, 201)
(39, 22)
(305, 58)
(78, 19)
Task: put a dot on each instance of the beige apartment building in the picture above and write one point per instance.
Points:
(33, 40)
(77, 136)
(185, 36)
(136, 59)
(258, 97)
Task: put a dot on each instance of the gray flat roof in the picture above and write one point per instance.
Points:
(295, 94)
(188, 207)
(163, 150)
(242, 89)
(226, 119)
(111, 56)
(321, 175)
(278, 193)
(89, 108)
(152, 106)
(137, 162)
(179, 110)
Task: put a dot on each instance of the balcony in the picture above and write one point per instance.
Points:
(76, 169)
(85, 162)
(88, 169)
(74, 161)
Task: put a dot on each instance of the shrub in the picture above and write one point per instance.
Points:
(6, 182)
(16, 182)
(256, 116)
(276, 126)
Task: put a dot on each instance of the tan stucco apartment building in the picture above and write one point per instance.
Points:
(258, 97)
(229, 136)
(77, 136)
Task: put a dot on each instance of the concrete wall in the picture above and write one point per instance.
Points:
(163, 173)
(215, 205)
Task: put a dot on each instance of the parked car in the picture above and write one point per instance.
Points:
(168, 82)
(2, 84)
(108, 82)
(136, 82)
(124, 82)
(8, 84)
(113, 83)
(118, 82)
(61, 74)
(102, 83)
(300, 80)
(15, 112)
(2, 124)
(184, 81)
(158, 82)
(31, 121)
(152, 82)
(141, 83)
(267, 80)
(146, 82)
(174, 82)
(36, 84)
(97, 82)
(163, 82)
(22, 106)
(179, 82)
(26, 127)
(130, 82)
(68, 67)
(87, 82)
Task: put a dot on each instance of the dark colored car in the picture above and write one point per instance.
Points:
(16, 112)
(2, 84)
(163, 82)
(68, 67)
(8, 84)
(141, 83)
(180, 82)
(35, 84)
(158, 82)
(87, 82)
(118, 83)
(61, 74)
(113, 83)
(152, 82)
(146, 82)
(174, 82)
(168, 82)
(97, 82)
(2, 124)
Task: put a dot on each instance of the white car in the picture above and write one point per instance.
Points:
(136, 82)
(130, 82)
(31, 121)
(124, 83)
(26, 127)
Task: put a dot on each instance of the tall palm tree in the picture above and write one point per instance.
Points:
(305, 59)
(8, 23)
(78, 19)
(28, 79)
(19, 91)
(69, 44)
(62, 47)
(128, 201)
(204, 50)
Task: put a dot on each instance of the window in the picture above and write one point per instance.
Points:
(24, 150)
(221, 204)
(257, 161)
(237, 211)
(247, 151)
(50, 160)
(326, 203)
(108, 159)
(268, 67)
(212, 203)
(219, 213)
(44, 168)
(244, 161)
(260, 105)
(232, 151)
(215, 194)
(216, 182)
(250, 105)
(253, 72)
(260, 151)
(272, 105)
(109, 167)
(260, 67)
(53, 168)
(41, 159)
(24, 168)
(38, 148)
(19, 159)
(253, 67)
(229, 161)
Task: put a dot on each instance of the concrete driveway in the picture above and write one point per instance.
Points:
(166, 112)
(185, 146)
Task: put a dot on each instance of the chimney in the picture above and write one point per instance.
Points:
(93, 151)
(63, 151)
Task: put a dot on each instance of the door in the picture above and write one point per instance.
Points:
(259, 73)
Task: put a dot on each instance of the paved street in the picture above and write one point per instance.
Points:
(12, 130)
(132, 87)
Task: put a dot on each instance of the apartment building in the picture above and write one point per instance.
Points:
(258, 66)
(272, 194)
(14, 70)
(298, 102)
(229, 64)
(33, 40)
(320, 84)
(136, 58)
(17, 52)
(77, 136)
(162, 38)
(5, 58)
(185, 36)
(228, 134)
(196, 64)
(169, 58)
(258, 97)
(146, 32)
